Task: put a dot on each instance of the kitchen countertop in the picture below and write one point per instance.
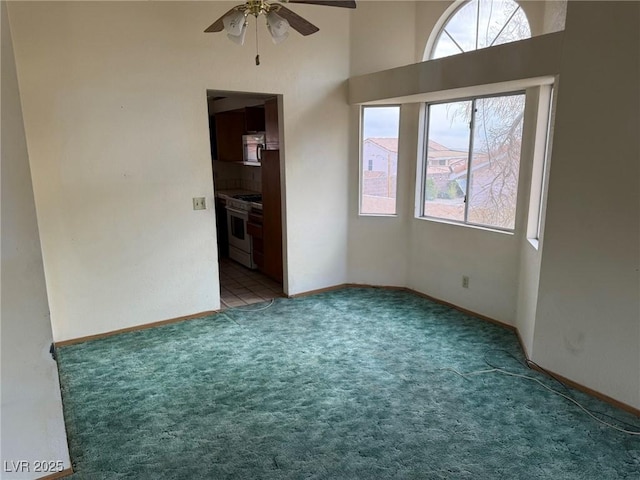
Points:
(229, 194)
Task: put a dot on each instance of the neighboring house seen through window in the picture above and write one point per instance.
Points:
(379, 160)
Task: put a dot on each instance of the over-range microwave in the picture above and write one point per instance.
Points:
(252, 146)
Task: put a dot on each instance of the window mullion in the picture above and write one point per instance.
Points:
(504, 26)
(472, 127)
(454, 41)
(425, 164)
(477, 23)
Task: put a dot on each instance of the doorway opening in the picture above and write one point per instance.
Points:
(246, 139)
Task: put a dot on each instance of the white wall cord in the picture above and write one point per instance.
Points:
(243, 309)
(511, 374)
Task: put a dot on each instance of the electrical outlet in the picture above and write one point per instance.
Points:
(199, 203)
(465, 281)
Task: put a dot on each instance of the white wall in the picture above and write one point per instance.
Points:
(382, 37)
(32, 423)
(588, 312)
(516, 65)
(540, 113)
(555, 15)
(114, 98)
(378, 245)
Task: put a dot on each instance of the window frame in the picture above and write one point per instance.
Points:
(541, 163)
(421, 183)
(444, 20)
(361, 159)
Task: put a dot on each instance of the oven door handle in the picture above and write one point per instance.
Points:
(241, 213)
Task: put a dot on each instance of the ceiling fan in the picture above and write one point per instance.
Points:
(279, 19)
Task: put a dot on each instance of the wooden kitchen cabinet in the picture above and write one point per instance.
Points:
(254, 228)
(271, 127)
(272, 215)
(254, 119)
(221, 226)
(230, 126)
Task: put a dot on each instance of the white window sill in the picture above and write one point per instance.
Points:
(466, 225)
(383, 215)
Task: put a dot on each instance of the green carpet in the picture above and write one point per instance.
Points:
(350, 384)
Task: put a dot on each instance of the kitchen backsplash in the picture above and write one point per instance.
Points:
(231, 176)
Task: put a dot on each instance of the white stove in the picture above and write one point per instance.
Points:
(240, 243)
(245, 201)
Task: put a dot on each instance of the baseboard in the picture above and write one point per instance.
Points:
(571, 383)
(61, 474)
(568, 382)
(319, 290)
(464, 310)
(135, 328)
(587, 390)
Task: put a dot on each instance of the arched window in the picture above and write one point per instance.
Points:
(479, 24)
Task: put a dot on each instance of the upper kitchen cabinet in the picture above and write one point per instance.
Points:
(271, 130)
(254, 119)
(230, 126)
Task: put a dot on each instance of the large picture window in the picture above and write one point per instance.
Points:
(379, 162)
(473, 161)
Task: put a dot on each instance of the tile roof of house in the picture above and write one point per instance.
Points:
(437, 146)
(373, 174)
(443, 154)
(389, 144)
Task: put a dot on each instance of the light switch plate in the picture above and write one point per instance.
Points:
(199, 203)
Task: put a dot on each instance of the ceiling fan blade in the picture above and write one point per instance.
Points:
(345, 4)
(218, 25)
(298, 23)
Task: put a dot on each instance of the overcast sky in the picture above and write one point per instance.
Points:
(383, 122)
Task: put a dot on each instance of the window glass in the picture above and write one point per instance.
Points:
(481, 140)
(447, 160)
(495, 162)
(379, 164)
(481, 24)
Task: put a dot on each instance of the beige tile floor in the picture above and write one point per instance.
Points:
(241, 286)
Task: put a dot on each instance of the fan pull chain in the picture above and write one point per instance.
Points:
(257, 51)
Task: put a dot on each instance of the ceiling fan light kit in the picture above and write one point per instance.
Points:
(235, 24)
(239, 39)
(278, 27)
(279, 20)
